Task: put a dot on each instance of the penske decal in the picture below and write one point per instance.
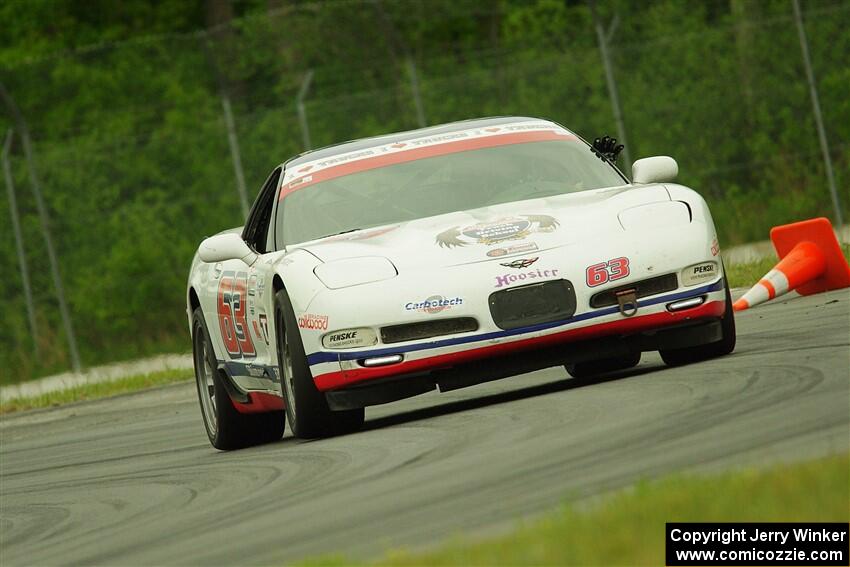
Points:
(350, 338)
(699, 273)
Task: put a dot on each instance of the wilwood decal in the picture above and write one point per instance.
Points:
(313, 322)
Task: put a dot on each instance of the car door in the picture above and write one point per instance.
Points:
(258, 289)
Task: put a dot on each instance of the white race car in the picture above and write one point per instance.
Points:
(444, 257)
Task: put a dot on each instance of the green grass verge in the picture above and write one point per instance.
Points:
(746, 275)
(97, 390)
(628, 528)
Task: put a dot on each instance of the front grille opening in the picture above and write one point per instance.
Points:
(427, 329)
(643, 288)
(533, 304)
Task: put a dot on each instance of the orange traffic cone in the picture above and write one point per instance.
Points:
(810, 262)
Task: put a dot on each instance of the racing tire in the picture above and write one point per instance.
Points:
(307, 408)
(689, 355)
(226, 428)
(596, 367)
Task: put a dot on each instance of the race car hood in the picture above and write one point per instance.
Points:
(492, 232)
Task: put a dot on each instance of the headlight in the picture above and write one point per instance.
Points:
(656, 215)
(355, 271)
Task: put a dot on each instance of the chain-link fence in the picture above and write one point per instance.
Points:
(142, 148)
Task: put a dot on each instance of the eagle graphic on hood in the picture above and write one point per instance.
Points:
(499, 230)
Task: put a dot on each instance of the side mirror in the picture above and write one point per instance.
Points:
(654, 169)
(229, 246)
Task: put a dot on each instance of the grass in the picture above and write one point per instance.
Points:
(96, 390)
(746, 275)
(628, 528)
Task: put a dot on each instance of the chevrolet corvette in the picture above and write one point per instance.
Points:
(439, 258)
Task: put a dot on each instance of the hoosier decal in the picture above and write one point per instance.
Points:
(524, 277)
(500, 230)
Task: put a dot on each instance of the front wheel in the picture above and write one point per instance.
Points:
(226, 428)
(688, 355)
(306, 407)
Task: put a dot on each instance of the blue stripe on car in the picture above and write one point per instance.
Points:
(319, 357)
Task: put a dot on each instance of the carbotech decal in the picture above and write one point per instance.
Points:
(313, 322)
(524, 277)
(500, 230)
(434, 304)
(715, 247)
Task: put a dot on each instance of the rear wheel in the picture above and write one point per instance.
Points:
(226, 427)
(596, 367)
(306, 407)
(725, 345)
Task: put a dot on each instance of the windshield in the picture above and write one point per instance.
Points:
(440, 184)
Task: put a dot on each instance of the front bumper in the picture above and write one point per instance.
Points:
(335, 370)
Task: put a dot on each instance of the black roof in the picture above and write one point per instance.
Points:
(363, 143)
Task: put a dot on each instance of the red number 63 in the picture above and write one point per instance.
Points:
(603, 272)
(231, 314)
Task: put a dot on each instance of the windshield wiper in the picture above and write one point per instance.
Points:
(340, 232)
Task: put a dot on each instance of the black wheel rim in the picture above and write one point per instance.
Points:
(205, 378)
(287, 379)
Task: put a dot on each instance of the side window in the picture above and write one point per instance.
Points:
(256, 228)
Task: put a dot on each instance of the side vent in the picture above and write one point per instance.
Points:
(642, 288)
(427, 329)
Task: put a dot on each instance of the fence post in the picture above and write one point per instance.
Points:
(604, 38)
(813, 91)
(417, 97)
(232, 138)
(19, 239)
(235, 155)
(302, 113)
(45, 226)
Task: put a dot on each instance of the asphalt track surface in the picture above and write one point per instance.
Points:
(133, 480)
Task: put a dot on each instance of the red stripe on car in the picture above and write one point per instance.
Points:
(420, 153)
(259, 402)
(333, 380)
